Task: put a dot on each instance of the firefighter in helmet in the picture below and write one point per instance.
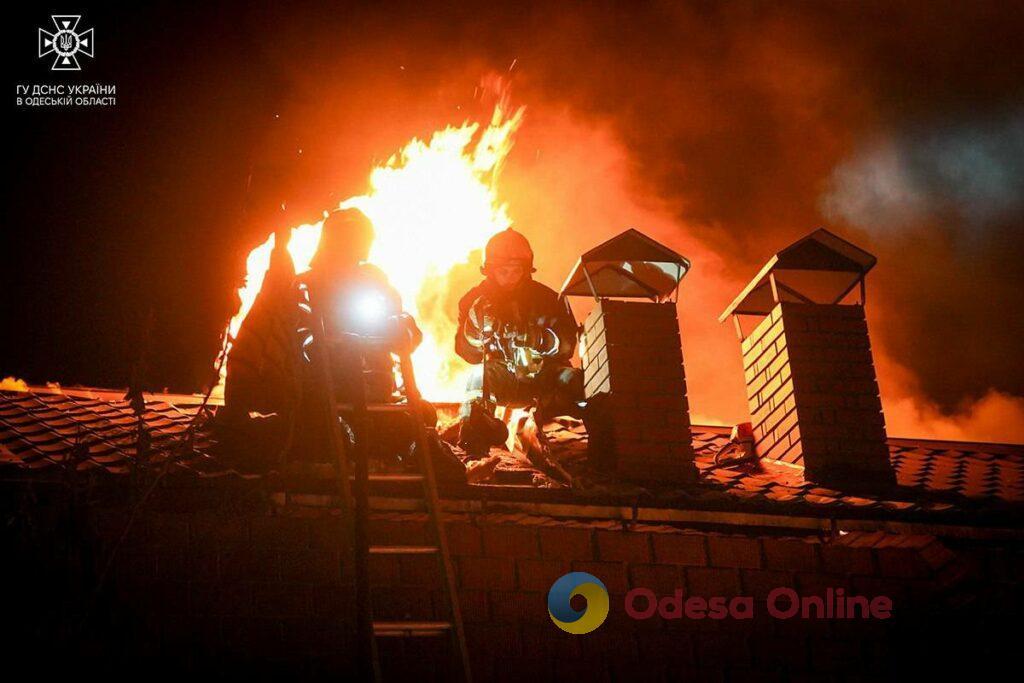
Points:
(520, 336)
(357, 302)
(359, 305)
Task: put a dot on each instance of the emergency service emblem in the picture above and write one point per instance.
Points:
(66, 43)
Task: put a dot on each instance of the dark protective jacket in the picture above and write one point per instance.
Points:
(531, 303)
(362, 302)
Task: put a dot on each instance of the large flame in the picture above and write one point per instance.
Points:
(432, 205)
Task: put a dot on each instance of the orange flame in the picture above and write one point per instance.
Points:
(432, 205)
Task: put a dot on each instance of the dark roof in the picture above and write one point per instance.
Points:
(42, 434)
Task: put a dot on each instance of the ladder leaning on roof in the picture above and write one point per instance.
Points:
(355, 499)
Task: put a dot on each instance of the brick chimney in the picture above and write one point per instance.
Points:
(632, 353)
(633, 360)
(811, 383)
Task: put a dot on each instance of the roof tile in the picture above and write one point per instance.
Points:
(38, 431)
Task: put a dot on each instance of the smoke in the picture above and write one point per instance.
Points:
(946, 203)
(900, 128)
(967, 176)
(728, 131)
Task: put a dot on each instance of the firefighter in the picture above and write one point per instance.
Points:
(528, 335)
(357, 303)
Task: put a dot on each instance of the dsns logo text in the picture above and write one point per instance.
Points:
(561, 610)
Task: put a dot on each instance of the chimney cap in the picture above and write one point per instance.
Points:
(630, 265)
(819, 268)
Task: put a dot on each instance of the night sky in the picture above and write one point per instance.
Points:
(741, 126)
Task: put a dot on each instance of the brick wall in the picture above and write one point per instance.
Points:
(221, 593)
(634, 355)
(813, 394)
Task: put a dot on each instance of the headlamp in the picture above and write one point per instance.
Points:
(365, 312)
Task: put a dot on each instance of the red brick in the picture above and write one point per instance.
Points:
(328, 533)
(395, 532)
(506, 540)
(310, 566)
(402, 603)
(710, 582)
(519, 607)
(758, 583)
(167, 530)
(273, 531)
(661, 578)
(281, 599)
(420, 570)
(901, 563)
(614, 644)
(846, 560)
(548, 642)
(334, 601)
(464, 539)
(664, 647)
(249, 564)
(565, 542)
(720, 650)
(540, 574)
(686, 549)
(624, 546)
(311, 637)
(474, 606)
(816, 583)
(790, 554)
(587, 668)
(734, 551)
(383, 570)
(611, 574)
(219, 530)
(497, 640)
(487, 572)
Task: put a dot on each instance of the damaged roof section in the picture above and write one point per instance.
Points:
(43, 436)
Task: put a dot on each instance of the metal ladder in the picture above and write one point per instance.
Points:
(355, 498)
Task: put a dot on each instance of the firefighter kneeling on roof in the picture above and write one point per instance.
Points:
(520, 336)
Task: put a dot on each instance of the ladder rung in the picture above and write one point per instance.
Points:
(388, 408)
(403, 549)
(400, 478)
(377, 408)
(410, 628)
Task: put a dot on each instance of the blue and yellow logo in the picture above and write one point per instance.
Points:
(578, 621)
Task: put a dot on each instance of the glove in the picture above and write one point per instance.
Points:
(484, 314)
(402, 333)
(482, 323)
